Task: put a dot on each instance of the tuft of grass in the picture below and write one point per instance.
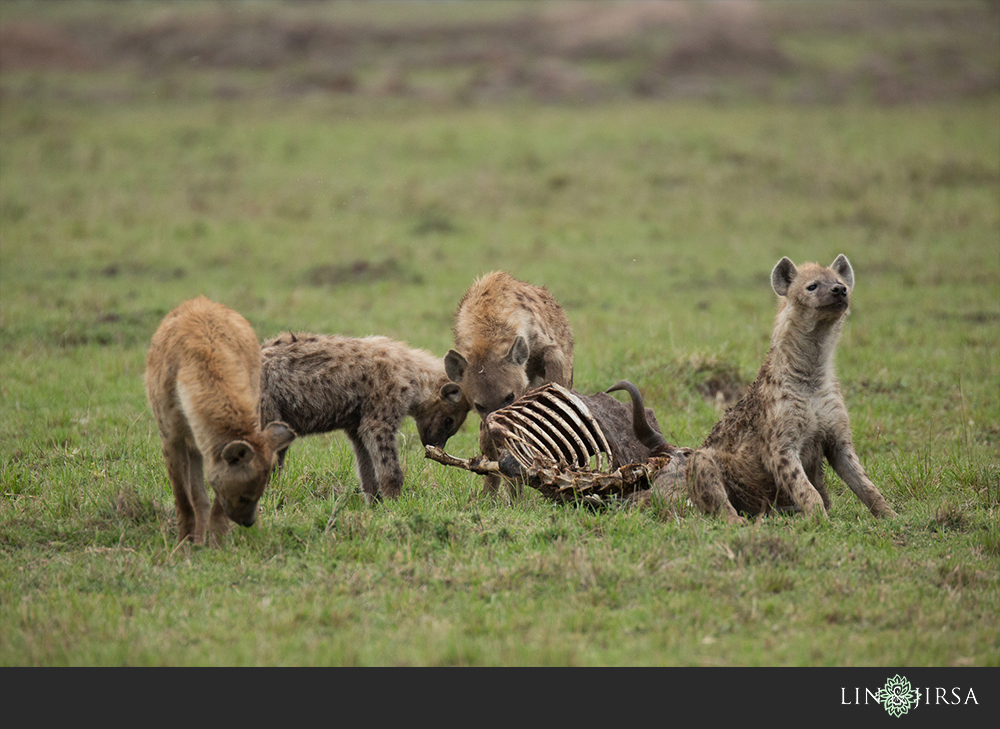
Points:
(950, 516)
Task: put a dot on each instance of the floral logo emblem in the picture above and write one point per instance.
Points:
(897, 696)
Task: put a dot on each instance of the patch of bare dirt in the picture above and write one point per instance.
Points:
(41, 46)
(547, 79)
(716, 381)
(363, 272)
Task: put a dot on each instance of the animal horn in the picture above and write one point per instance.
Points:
(640, 426)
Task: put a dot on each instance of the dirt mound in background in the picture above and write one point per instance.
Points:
(41, 46)
(548, 51)
(601, 30)
(720, 50)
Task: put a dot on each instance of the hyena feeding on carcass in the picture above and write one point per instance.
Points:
(768, 450)
(319, 383)
(203, 384)
(510, 336)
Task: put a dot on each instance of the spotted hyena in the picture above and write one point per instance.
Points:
(318, 383)
(203, 384)
(510, 336)
(768, 450)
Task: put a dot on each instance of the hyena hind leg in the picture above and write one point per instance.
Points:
(705, 486)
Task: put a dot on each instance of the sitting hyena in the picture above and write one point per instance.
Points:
(768, 450)
(319, 383)
(203, 383)
(510, 337)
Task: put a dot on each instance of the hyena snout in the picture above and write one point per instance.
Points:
(831, 298)
(436, 434)
(241, 509)
(436, 439)
(441, 417)
(244, 517)
(836, 298)
(241, 506)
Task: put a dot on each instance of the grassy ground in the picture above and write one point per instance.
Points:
(653, 213)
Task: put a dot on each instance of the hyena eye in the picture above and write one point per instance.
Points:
(246, 500)
(509, 399)
(811, 287)
(480, 409)
(448, 422)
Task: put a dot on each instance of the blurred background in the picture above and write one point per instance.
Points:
(467, 52)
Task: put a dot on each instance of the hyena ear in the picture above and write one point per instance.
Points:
(454, 365)
(451, 392)
(842, 267)
(782, 276)
(237, 452)
(279, 435)
(518, 352)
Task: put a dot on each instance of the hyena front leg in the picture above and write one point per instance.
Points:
(384, 448)
(379, 442)
(846, 463)
(815, 476)
(790, 477)
(365, 467)
(492, 481)
(279, 464)
(707, 488)
(203, 506)
(176, 457)
(218, 523)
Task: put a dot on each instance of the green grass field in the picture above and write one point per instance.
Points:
(654, 218)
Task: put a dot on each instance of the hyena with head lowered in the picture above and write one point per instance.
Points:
(203, 384)
(318, 383)
(510, 336)
(768, 450)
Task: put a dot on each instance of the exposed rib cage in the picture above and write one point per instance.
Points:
(550, 423)
(550, 440)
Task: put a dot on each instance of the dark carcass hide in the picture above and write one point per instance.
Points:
(572, 447)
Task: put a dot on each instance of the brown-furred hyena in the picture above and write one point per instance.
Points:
(510, 336)
(203, 384)
(318, 383)
(768, 450)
